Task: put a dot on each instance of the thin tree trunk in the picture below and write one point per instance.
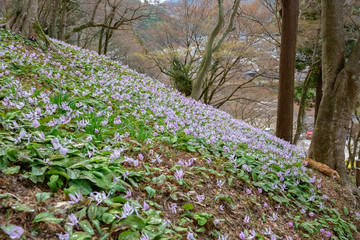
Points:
(302, 107)
(284, 123)
(63, 20)
(108, 35)
(206, 61)
(198, 82)
(318, 93)
(101, 40)
(52, 30)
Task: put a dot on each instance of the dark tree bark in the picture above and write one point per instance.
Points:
(341, 87)
(23, 19)
(318, 93)
(63, 20)
(53, 27)
(284, 123)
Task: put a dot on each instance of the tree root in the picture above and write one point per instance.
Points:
(324, 169)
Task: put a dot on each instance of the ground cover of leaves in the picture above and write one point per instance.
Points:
(90, 149)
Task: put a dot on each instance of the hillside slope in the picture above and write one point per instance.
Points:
(90, 149)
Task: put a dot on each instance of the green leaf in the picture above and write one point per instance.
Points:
(40, 197)
(96, 224)
(202, 221)
(86, 226)
(82, 185)
(280, 199)
(202, 229)
(80, 236)
(108, 218)
(188, 206)
(150, 191)
(190, 148)
(73, 173)
(52, 183)
(39, 170)
(133, 221)
(47, 217)
(91, 212)
(129, 236)
(22, 207)
(11, 170)
(3, 162)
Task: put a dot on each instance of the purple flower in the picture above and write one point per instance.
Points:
(246, 219)
(97, 197)
(157, 159)
(267, 231)
(223, 237)
(311, 214)
(47, 161)
(73, 220)
(200, 198)
(63, 151)
(126, 174)
(144, 236)
(190, 236)
(220, 183)
(322, 231)
(36, 123)
(273, 217)
(146, 206)
(242, 235)
(116, 179)
(248, 191)
(117, 121)
(221, 207)
(291, 224)
(65, 236)
(128, 194)
(127, 211)
(328, 234)
(260, 190)
(173, 207)
(252, 234)
(179, 174)
(15, 232)
(74, 199)
(141, 157)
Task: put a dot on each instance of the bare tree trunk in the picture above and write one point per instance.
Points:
(52, 30)
(23, 19)
(101, 40)
(302, 107)
(284, 123)
(198, 82)
(63, 20)
(108, 35)
(318, 93)
(341, 84)
(206, 61)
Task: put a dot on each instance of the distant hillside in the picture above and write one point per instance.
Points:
(90, 149)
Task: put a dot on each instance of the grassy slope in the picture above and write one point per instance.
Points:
(73, 121)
